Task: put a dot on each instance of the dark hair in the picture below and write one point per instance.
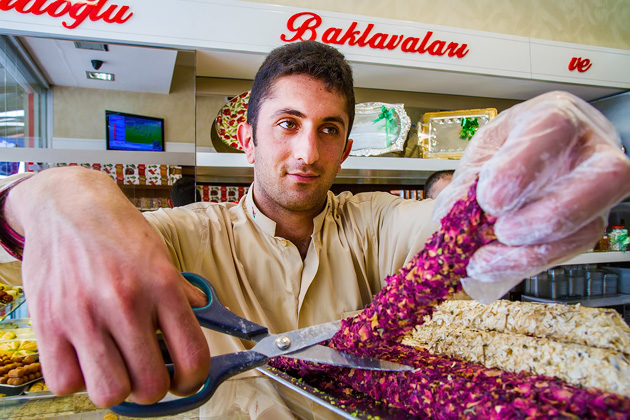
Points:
(434, 178)
(311, 58)
(184, 192)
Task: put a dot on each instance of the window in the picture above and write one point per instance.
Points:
(23, 95)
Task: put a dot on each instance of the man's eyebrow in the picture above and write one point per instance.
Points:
(299, 114)
(289, 111)
(336, 119)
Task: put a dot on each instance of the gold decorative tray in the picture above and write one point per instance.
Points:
(448, 133)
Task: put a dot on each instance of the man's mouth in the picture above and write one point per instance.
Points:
(303, 176)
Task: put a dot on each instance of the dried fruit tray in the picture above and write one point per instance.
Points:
(359, 409)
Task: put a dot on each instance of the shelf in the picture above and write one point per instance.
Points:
(591, 302)
(134, 187)
(599, 258)
(95, 156)
(8, 308)
(233, 167)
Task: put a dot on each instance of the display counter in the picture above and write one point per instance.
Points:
(302, 401)
(76, 406)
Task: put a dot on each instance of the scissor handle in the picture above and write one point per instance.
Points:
(221, 368)
(217, 317)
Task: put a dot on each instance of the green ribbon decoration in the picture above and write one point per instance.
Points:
(469, 128)
(389, 116)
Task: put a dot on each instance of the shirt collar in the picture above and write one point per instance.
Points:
(263, 222)
(269, 226)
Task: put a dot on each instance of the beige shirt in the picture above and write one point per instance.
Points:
(357, 241)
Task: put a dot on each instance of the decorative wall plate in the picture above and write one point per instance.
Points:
(229, 117)
(379, 128)
(446, 134)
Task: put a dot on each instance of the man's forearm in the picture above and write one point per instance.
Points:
(72, 192)
(54, 190)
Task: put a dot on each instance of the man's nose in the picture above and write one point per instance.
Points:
(305, 146)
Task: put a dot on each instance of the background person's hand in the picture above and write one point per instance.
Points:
(100, 282)
(550, 169)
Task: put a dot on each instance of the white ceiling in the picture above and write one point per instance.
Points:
(138, 69)
(145, 69)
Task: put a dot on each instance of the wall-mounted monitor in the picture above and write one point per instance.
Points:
(134, 132)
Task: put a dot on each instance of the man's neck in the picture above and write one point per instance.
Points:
(296, 227)
(298, 232)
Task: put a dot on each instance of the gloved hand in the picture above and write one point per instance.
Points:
(550, 169)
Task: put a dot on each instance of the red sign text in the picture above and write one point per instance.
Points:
(305, 26)
(73, 13)
(580, 64)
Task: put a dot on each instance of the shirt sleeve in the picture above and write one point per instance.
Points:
(404, 226)
(389, 230)
(181, 232)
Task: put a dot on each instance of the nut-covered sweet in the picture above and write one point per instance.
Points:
(29, 359)
(15, 381)
(38, 387)
(18, 371)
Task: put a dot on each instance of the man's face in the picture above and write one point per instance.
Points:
(300, 145)
(439, 185)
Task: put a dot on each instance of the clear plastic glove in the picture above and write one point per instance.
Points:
(550, 169)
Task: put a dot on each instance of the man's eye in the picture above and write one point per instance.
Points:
(330, 130)
(289, 125)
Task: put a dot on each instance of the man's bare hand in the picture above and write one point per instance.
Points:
(99, 283)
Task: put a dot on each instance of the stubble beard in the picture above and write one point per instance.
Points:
(280, 194)
(291, 197)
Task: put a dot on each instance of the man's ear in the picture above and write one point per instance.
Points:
(346, 153)
(245, 136)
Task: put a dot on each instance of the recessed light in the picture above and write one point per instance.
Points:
(87, 45)
(97, 75)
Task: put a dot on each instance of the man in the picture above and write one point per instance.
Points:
(436, 182)
(100, 279)
(183, 192)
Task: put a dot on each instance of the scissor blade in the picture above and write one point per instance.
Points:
(329, 356)
(302, 344)
(274, 344)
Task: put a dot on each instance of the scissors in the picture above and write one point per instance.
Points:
(301, 344)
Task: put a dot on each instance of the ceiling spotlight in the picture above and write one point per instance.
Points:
(109, 77)
(96, 64)
(96, 46)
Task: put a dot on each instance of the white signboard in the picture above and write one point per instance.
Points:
(571, 63)
(257, 28)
